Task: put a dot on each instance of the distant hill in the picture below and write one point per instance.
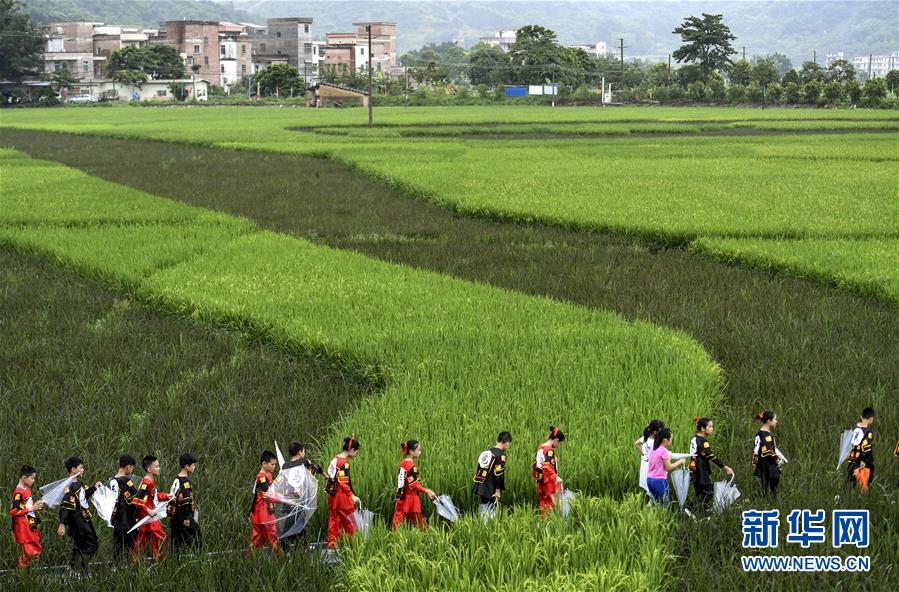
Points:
(796, 28)
(149, 13)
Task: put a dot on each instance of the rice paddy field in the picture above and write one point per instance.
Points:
(448, 274)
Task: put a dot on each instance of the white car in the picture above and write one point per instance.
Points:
(77, 99)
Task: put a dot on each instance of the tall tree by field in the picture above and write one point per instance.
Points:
(740, 72)
(840, 71)
(892, 80)
(158, 61)
(488, 65)
(707, 41)
(811, 71)
(20, 42)
(281, 80)
(536, 55)
(765, 72)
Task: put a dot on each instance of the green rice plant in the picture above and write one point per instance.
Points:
(459, 361)
(604, 545)
(867, 265)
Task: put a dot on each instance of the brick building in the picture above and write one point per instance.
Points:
(345, 53)
(84, 48)
(198, 44)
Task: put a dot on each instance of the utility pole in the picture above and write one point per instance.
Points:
(815, 56)
(870, 59)
(669, 69)
(368, 29)
(553, 85)
(621, 44)
(744, 53)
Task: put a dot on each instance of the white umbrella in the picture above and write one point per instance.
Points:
(680, 479)
(296, 489)
(279, 455)
(565, 499)
(158, 513)
(446, 508)
(104, 500)
(726, 493)
(488, 510)
(363, 519)
(52, 493)
(845, 446)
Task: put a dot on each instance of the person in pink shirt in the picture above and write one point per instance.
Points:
(659, 466)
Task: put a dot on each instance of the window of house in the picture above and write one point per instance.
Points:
(278, 34)
(205, 60)
(262, 48)
(84, 67)
(243, 68)
(222, 68)
(205, 40)
(361, 51)
(243, 50)
(305, 28)
(307, 48)
(99, 51)
(222, 50)
(160, 93)
(190, 60)
(196, 49)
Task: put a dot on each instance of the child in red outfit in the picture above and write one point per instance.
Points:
(408, 488)
(341, 499)
(24, 520)
(546, 473)
(150, 534)
(265, 532)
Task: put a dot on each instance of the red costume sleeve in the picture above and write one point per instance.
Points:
(18, 505)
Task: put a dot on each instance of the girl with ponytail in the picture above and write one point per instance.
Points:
(341, 498)
(644, 446)
(766, 456)
(546, 471)
(659, 466)
(409, 487)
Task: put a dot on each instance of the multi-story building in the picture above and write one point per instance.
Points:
(346, 53)
(70, 46)
(198, 44)
(502, 39)
(84, 48)
(876, 65)
(598, 49)
(833, 57)
(285, 41)
(235, 54)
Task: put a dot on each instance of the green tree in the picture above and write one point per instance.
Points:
(764, 72)
(792, 93)
(62, 81)
(535, 56)
(280, 80)
(21, 44)
(892, 80)
(781, 62)
(687, 74)
(811, 71)
(736, 93)
(754, 93)
(840, 71)
(790, 76)
(488, 65)
(446, 57)
(716, 90)
(707, 42)
(657, 76)
(874, 92)
(853, 91)
(811, 92)
(696, 91)
(158, 61)
(833, 92)
(775, 92)
(740, 72)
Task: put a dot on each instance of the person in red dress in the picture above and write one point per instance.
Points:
(150, 534)
(409, 487)
(24, 520)
(262, 516)
(341, 499)
(546, 471)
